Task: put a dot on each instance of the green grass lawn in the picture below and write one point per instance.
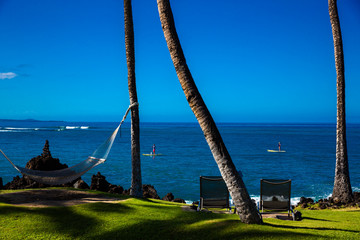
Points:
(155, 219)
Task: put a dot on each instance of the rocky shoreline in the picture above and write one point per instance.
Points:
(45, 162)
(328, 203)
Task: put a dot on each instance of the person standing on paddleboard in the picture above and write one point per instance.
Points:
(154, 147)
(279, 145)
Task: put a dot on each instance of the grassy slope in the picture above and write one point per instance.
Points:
(153, 219)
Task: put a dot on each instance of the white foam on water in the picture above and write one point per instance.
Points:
(71, 127)
(295, 200)
(16, 129)
(20, 129)
(4, 130)
(76, 127)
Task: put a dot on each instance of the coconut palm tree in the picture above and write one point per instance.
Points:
(246, 209)
(342, 187)
(136, 185)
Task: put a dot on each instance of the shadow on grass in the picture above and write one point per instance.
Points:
(150, 200)
(178, 224)
(102, 207)
(72, 222)
(310, 228)
(354, 210)
(180, 229)
(318, 219)
(144, 219)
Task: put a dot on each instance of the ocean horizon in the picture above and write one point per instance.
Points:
(309, 160)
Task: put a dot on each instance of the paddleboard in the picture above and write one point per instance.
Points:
(275, 150)
(150, 154)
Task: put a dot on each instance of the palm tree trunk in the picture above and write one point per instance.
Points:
(136, 184)
(246, 209)
(342, 187)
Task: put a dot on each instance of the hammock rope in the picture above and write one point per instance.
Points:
(66, 175)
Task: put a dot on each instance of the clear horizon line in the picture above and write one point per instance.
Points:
(221, 122)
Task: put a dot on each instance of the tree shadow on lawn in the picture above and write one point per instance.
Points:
(354, 210)
(64, 220)
(81, 221)
(186, 225)
(180, 229)
(102, 207)
(162, 204)
(156, 201)
(310, 228)
(318, 219)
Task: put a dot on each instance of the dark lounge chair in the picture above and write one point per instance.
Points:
(275, 194)
(213, 193)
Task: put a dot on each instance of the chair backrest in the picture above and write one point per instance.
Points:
(213, 192)
(275, 194)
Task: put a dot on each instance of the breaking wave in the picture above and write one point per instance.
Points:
(31, 129)
(76, 127)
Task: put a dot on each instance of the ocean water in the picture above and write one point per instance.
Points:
(309, 159)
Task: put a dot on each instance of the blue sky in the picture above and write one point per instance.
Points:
(253, 61)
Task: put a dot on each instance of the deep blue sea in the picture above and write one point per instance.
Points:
(309, 159)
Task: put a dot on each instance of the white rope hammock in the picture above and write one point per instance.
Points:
(66, 175)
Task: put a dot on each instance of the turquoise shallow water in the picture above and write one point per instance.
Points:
(309, 159)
